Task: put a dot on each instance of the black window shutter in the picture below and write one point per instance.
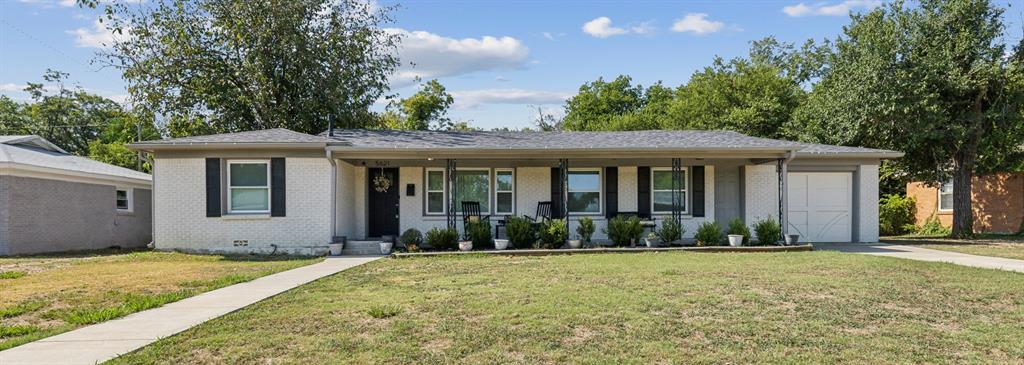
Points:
(643, 191)
(556, 193)
(277, 187)
(698, 191)
(213, 187)
(611, 191)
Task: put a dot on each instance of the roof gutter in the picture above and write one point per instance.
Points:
(150, 147)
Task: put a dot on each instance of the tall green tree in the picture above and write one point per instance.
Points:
(235, 65)
(933, 80)
(599, 103)
(427, 109)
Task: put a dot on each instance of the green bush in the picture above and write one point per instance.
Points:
(636, 229)
(933, 227)
(553, 233)
(619, 230)
(709, 234)
(670, 231)
(480, 234)
(443, 238)
(896, 214)
(411, 238)
(586, 229)
(768, 231)
(520, 232)
(736, 226)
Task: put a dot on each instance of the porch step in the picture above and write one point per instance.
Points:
(361, 248)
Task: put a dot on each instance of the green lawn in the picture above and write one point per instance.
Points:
(41, 296)
(813, 307)
(1007, 246)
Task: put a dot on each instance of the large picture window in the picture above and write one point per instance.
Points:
(248, 187)
(946, 196)
(435, 192)
(661, 190)
(504, 191)
(585, 191)
(473, 186)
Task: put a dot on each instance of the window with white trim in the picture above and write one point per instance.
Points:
(661, 190)
(473, 185)
(584, 191)
(123, 200)
(435, 191)
(946, 196)
(504, 191)
(248, 186)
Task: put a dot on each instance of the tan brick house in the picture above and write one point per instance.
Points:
(998, 202)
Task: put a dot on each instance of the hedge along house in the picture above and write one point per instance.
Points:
(278, 190)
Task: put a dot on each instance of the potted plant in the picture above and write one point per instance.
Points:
(500, 244)
(337, 245)
(738, 228)
(553, 233)
(386, 243)
(466, 244)
(792, 239)
(768, 231)
(575, 242)
(636, 230)
(585, 230)
(670, 232)
(652, 240)
(480, 234)
(411, 239)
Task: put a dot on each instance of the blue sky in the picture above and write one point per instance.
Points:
(500, 59)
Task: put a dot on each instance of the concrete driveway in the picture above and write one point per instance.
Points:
(924, 254)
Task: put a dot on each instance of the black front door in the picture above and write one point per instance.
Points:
(383, 188)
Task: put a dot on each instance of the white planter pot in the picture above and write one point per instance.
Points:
(385, 247)
(465, 245)
(575, 243)
(336, 248)
(652, 242)
(735, 240)
(500, 244)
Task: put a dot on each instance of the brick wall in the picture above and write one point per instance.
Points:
(181, 222)
(998, 202)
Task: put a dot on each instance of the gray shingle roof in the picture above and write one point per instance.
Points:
(827, 149)
(276, 135)
(29, 150)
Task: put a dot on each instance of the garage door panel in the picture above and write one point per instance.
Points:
(820, 206)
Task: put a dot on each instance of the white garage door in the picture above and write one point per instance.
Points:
(820, 206)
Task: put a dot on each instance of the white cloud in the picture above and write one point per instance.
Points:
(11, 87)
(548, 36)
(643, 28)
(97, 37)
(697, 23)
(838, 9)
(473, 98)
(428, 55)
(602, 28)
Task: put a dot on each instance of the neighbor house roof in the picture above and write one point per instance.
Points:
(398, 140)
(37, 154)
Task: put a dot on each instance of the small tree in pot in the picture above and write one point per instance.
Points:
(585, 230)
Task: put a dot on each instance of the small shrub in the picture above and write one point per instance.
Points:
(619, 230)
(670, 231)
(480, 234)
(736, 226)
(709, 234)
(411, 238)
(768, 231)
(896, 214)
(586, 229)
(520, 232)
(636, 229)
(553, 233)
(11, 274)
(11, 331)
(443, 238)
(384, 311)
(933, 227)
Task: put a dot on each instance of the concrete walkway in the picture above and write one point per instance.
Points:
(104, 341)
(924, 254)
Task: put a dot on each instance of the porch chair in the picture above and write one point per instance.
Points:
(471, 213)
(543, 214)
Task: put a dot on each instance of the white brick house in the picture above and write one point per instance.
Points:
(283, 191)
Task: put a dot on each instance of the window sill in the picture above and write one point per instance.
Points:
(245, 216)
(945, 212)
(125, 212)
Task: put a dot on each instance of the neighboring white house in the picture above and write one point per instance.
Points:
(279, 190)
(53, 201)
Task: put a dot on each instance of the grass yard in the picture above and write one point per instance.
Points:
(813, 307)
(50, 294)
(1006, 246)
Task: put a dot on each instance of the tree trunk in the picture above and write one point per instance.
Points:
(963, 214)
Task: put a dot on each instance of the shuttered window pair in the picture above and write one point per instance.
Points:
(250, 187)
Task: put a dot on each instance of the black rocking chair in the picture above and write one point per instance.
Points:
(471, 213)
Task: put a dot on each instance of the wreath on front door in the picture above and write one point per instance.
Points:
(381, 183)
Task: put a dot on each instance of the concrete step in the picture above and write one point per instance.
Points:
(361, 248)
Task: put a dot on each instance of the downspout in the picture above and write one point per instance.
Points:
(784, 191)
(334, 193)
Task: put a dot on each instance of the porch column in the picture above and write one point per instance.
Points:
(782, 169)
(677, 186)
(563, 168)
(452, 190)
